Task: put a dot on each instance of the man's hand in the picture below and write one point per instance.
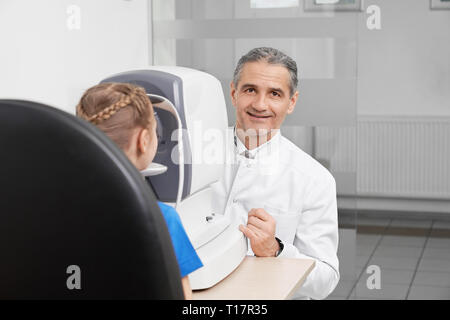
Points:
(260, 230)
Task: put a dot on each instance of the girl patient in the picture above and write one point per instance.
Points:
(125, 114)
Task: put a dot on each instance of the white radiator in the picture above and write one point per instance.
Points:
(402, 157)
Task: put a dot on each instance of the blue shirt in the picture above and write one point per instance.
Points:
(188, 260)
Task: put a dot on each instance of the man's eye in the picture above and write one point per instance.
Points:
(250, 90)
(275, 94)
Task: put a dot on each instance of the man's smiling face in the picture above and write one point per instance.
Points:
(262, 97)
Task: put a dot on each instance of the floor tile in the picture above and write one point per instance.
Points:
(395, 245)
(441, 243)
(434, 265)
(347, 243)
(398, 251)
(394, 263)
(430, 278)
(359, 271)
(350, 276)
(403, 241)
(347, 232)
(392, 276)
(365, 250)
(386, 291)
(438, 242)
(429, 293)
(343, 288)
(436, 253)
(367, 239)
(361, 261)
(347, 269)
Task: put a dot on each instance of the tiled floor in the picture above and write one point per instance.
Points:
(413, 257)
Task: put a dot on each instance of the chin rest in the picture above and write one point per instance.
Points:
(71, 199)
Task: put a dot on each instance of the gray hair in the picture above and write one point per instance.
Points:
(271, 56)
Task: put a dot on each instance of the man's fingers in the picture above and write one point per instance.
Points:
(249, 233)
(257, 222)
(256, 231)
(260, 213)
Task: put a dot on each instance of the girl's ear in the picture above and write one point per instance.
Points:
(143, 141)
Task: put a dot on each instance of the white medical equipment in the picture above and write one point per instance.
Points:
(192, 121)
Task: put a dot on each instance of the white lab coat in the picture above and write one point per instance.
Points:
(297, 191)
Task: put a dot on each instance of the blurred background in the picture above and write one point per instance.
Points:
(374, 104)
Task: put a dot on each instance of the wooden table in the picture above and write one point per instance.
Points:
(260, 279)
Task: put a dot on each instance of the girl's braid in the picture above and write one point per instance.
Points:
(109, 111)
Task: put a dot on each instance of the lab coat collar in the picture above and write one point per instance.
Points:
(265, 149)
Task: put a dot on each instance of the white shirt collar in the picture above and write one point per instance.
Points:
(268, 146)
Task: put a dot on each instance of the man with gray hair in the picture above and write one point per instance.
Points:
(283, 198)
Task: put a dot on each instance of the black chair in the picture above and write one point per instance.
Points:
(74, 211)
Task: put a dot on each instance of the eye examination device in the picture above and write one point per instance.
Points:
(191, 117)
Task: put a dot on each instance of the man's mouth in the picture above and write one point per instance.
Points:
(258, 116)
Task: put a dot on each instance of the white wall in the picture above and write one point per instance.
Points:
(404, 68)
(42, 59)
(211, 35)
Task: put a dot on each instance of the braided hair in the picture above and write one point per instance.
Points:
(117, 109)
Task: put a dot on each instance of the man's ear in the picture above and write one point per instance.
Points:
(233, 93)
(292, 102)
(143, 140)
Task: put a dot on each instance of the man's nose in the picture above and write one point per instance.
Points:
(260, 103)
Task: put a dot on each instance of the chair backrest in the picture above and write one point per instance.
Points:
(77, 220)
